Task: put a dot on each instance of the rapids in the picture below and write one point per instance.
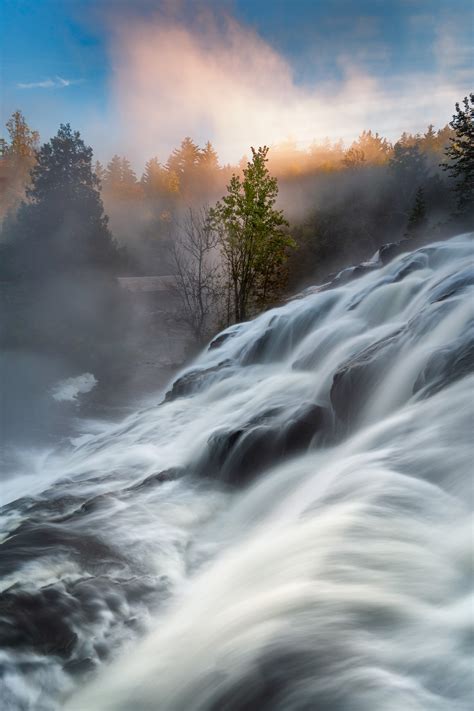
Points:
(288, 528)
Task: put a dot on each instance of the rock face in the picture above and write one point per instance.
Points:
(194, 380)
(237, 456)
(391, 250)
(446, 365)
(357, 378)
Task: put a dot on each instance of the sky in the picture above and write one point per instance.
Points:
(135, 77)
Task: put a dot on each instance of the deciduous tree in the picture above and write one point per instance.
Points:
(253, 237)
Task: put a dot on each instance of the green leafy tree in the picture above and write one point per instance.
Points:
(253, 237)
(460, 153)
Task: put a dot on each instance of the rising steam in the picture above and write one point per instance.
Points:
(216, 78)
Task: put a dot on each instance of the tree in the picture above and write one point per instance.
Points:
(196, 263)
(354, 158)
(120, 181)
(62, 225)
(253, 237)
(408, 169)
(182, 167)
(23, 140)
(19, 155)
(460, 153)
(157, 182)
(185, 158)
(208, 158)
(417, 217)
(376, 149)
(99, 171)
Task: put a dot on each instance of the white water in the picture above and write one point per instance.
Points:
(339, 578)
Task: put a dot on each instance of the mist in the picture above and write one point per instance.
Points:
(203, 72)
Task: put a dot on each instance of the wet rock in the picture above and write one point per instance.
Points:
(350, 273)
(255, 353)
(237, 456)
(359, 376)
(38, 621)
(413, 264)
(445, 366)
(159, 478)
(391, 250)
(220, 339)
(34, 540)
(194, 380)
(452, 285)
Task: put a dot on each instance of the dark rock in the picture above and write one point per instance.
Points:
(256, 351)
(237, 456)
(445, 366)
(220, 339)
(391, 250)
(159, 478)
(33, 540)
(38, 620)
(193, 380)
(359, 376)
(413, 264)
(452, 285)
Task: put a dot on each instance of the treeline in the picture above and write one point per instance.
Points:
(286, 213)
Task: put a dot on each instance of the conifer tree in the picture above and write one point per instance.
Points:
(62, 225)
(208, 157)
(20, 152)
(460, 153)
(417, 217)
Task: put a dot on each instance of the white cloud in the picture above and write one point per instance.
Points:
(56, 83)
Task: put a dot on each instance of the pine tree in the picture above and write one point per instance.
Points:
(120, 180)
(185, 158)
(128, 177)
(62, 226)
(354, 158)
(112, 179)
(20, 156)
(253, 237)
(99, 171)
(417, 217)
(376, 149)
(182, 167)
(23, 140)
(460, 154)
(208, 158)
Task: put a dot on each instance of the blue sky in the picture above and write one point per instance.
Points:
(62, 61)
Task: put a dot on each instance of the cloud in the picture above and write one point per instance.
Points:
(219, 79)
(56, 83)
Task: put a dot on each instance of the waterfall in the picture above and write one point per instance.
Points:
(287, 528)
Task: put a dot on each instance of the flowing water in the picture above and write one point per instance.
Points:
(288, 529)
